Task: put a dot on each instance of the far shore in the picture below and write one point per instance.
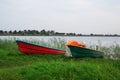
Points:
(70, 35)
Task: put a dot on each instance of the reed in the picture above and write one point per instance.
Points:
(10, 47)
(112, 52)
(17, 66)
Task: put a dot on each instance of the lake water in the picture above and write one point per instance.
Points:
(103, 41)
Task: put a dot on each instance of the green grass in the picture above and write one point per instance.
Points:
(17, 66)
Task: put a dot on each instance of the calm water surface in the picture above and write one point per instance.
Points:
(105, 41)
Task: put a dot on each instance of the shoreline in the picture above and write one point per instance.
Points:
(65, 36)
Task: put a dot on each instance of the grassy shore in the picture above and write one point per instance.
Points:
(17, 66)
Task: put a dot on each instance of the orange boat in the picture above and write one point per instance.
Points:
(29, 48)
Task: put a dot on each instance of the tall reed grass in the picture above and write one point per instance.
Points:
(112, 51)
(17, 66)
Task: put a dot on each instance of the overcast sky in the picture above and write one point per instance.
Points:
(79, 16)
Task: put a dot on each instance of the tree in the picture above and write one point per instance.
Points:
(19, 32)
(51, 32)
(43, 32)
(14, 32)
(1, 31)
(10, 32)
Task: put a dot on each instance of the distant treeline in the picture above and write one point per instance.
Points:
(46, 33)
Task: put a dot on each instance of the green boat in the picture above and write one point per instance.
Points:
(85, 52)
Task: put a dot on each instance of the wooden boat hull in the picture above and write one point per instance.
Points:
(84, 52)
(29, 48)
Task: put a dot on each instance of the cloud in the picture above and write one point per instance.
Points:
(85, 16)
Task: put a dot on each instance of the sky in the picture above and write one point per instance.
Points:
(76, 16)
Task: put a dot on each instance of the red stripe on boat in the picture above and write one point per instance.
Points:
(29, 48)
